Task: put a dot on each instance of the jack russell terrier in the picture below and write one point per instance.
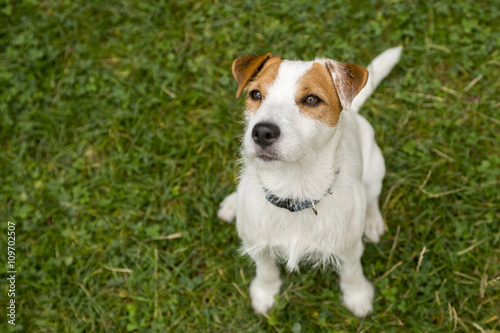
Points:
(312, 171)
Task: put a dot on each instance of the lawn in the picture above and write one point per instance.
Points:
(119, 136)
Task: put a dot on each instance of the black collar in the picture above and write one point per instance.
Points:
(296, 205)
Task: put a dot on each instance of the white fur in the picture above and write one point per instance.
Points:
(309, 153)
(379, 68)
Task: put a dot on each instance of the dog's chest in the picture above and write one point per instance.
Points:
(296, 235)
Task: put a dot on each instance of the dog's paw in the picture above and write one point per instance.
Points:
(374, 227)
(359, 300)
(262, 294)
(227, 208)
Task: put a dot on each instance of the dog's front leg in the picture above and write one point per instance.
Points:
(357, 291)
(267, 283)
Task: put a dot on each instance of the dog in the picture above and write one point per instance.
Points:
(311, 171)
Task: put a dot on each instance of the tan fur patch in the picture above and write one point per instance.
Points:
(262, 82)
(318, 82)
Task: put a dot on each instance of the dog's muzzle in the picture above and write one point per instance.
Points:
(265, 134)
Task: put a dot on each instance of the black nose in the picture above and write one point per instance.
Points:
(264, 134)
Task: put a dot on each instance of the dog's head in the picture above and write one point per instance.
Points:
(293, 107)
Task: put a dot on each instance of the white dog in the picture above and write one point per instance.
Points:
(312, 171)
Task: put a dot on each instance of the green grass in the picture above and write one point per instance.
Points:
(119, 136)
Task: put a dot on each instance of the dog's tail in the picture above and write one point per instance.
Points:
(379, 68)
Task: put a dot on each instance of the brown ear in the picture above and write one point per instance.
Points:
(246, 67)
(349, 79)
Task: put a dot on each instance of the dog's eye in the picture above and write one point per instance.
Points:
(312, 100)
(255, 95)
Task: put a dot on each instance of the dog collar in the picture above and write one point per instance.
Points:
(296, 205)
